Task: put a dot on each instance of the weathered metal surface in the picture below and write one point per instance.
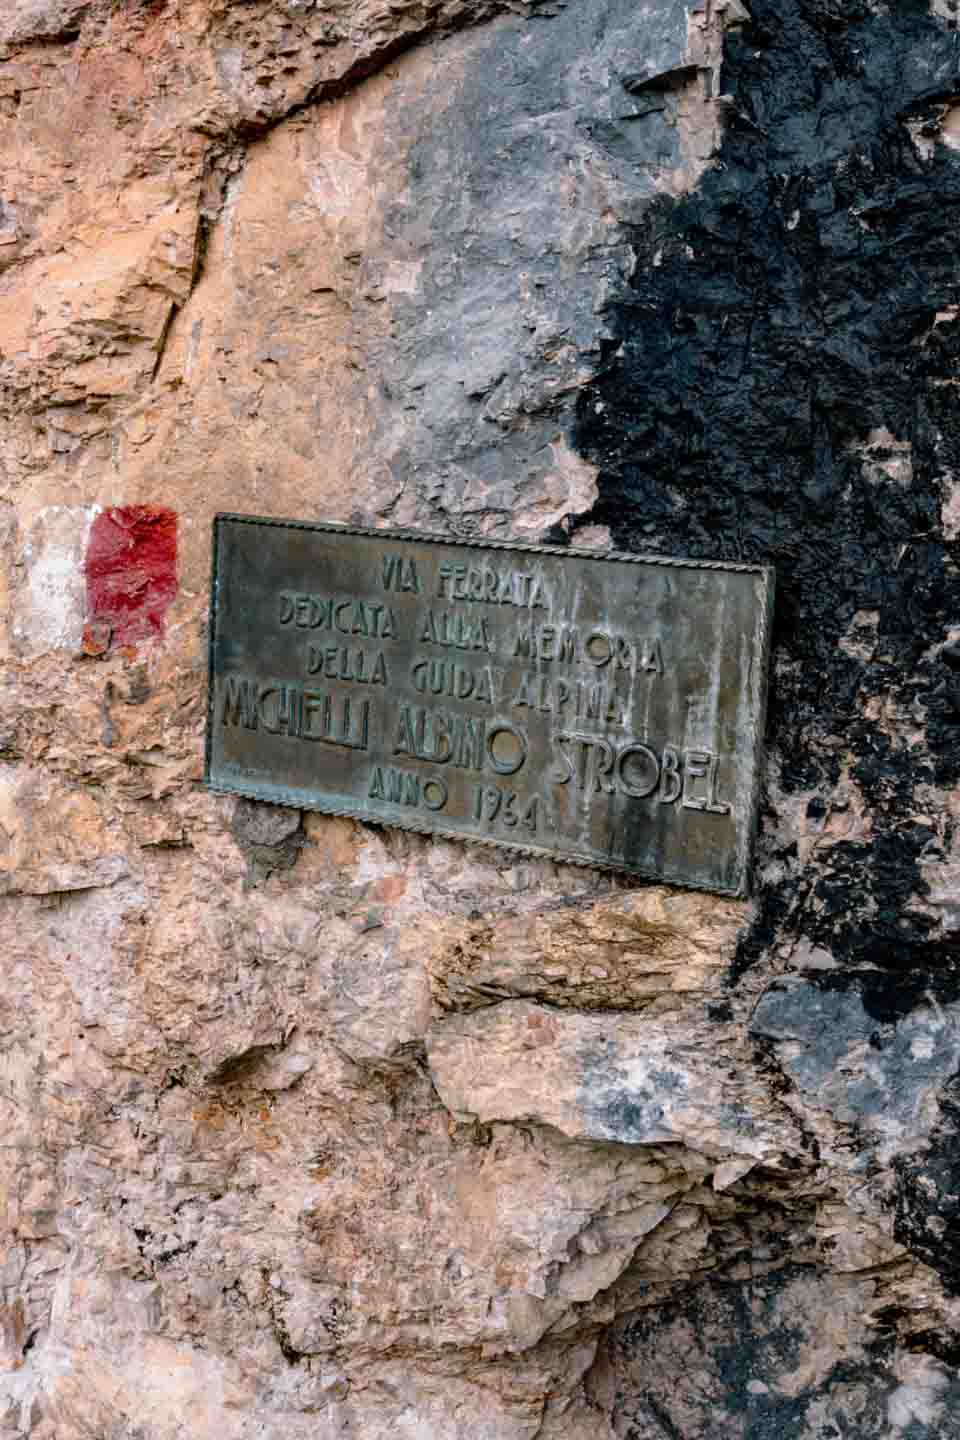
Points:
(602, 709)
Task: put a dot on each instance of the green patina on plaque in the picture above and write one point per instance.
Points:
(596, 708)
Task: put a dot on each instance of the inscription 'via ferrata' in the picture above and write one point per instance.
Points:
(487, 689)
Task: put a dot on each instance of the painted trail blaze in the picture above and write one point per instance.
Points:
(131, 571)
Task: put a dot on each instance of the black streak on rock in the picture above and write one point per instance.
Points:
(780, 317)
(928, 1201)
(800, 301)
(725, 1361)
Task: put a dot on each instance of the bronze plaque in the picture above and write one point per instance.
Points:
(599, 708)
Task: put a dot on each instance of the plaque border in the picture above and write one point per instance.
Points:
(766, 573)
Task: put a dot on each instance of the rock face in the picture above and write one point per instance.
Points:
(318, 1130)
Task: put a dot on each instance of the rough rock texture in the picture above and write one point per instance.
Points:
(316, 1130)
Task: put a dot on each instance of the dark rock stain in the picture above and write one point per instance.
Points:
(781, 387)
(270, 837)
(743, 1355)
(778, 316)
(928, 1203)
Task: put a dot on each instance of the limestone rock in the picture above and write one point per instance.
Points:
(794, 1331)
(636, 1081)
(316, 1129)
(652, 949)
(884, 1073)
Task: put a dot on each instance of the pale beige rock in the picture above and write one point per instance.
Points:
(54, 838)
(634, 1080)
(652, 948)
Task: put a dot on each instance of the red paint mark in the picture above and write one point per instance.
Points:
(131, 570)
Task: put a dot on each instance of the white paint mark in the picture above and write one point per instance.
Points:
(49, 610)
